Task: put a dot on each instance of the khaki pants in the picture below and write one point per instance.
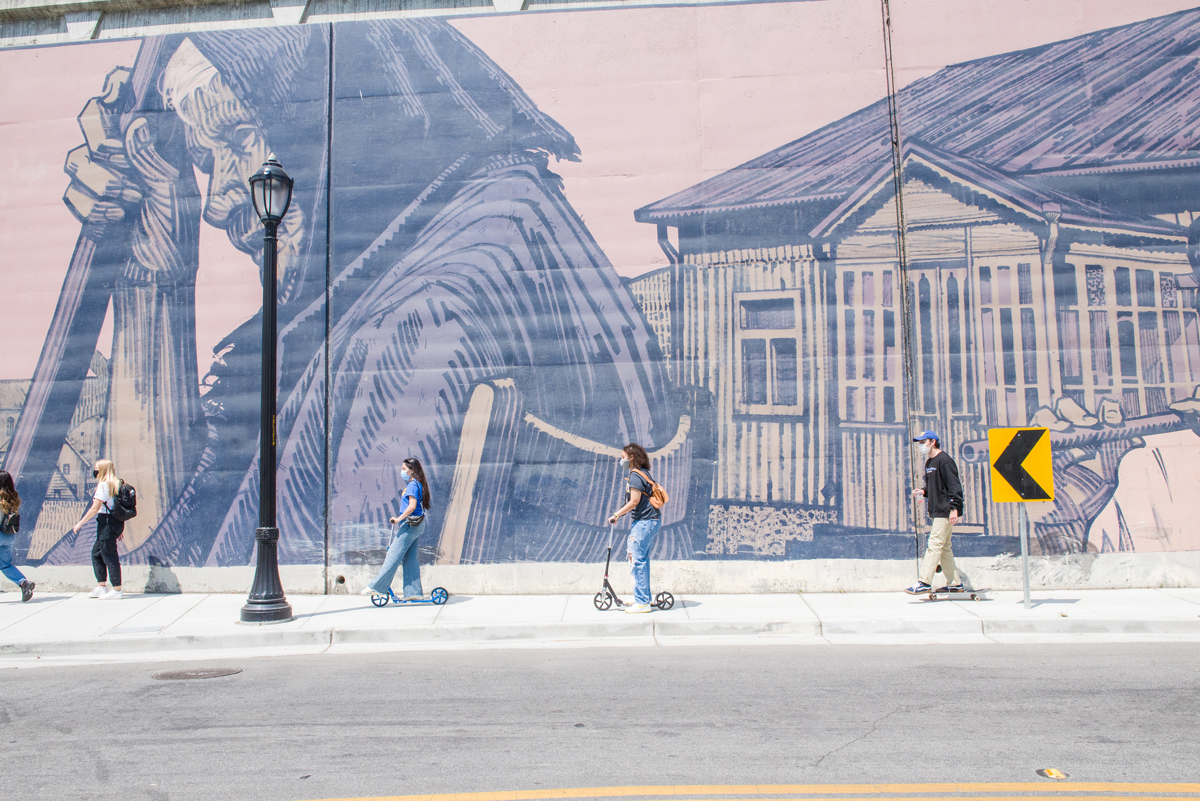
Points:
(939, 551)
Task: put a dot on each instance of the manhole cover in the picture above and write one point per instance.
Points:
(195, 673)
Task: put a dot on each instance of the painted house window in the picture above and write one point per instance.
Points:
(1094, 276)
(1024, 284)
(754, 371)
(1007, 343)
(1152, 368)
(1169, 290)
(891, 362)
(1067, 297)
(886, 300)
(783, 374)
(955, 342)
(851, 356)
(1029, 346)
(1101, 349)
(868, 346)
(928, 389)
(66, 468)
(1121, 284)
(1127, 345)
(1145, 288)
(768, 350)
(11, 426)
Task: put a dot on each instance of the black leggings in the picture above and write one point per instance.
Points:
(105, 561)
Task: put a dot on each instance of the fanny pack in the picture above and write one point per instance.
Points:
(416, 521)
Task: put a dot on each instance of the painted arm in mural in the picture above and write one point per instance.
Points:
(1087, 452)
(136, 174)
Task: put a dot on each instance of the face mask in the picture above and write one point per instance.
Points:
(624, 463)
(925, 448)
(95, 474)
(404, 474)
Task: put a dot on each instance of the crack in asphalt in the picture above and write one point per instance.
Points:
(864, 735)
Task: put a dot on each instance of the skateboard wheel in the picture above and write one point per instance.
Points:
(380, 600)
(933, 596)
(603, 601)
(439, 595)
(664, 600)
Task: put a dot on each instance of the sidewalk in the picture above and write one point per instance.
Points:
(65, 628)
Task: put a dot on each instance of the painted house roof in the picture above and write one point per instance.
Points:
(1120, 99)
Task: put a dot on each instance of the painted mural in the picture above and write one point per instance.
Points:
(1009, 240)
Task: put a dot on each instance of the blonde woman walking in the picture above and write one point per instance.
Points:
(105, 561)
(10, 523)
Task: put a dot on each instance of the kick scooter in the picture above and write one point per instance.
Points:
(437, 597)
(608, 596)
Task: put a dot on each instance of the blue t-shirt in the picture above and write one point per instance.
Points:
(644, 510)
(413, 490)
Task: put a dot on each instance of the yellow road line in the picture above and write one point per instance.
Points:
(912, 792)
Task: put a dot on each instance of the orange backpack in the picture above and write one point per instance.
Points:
(658, 495)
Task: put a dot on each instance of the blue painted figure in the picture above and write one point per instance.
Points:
(431, 272)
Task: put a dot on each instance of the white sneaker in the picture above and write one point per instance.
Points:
(637, 609)
(98, 592)
(112, 595)
(369, 591)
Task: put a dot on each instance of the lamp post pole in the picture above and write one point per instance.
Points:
(271, 189)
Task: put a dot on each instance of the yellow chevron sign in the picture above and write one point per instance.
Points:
(1022, 469)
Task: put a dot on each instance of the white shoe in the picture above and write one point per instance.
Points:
(98, 592)
(637, 609)
(112, 595)
(369, 591)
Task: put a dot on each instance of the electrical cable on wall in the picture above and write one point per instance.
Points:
(901, 250)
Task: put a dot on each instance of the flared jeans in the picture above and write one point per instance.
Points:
(402, 551)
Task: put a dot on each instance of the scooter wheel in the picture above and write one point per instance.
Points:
(603, 601)
(664, 600)
(380, 600)
(439, 596)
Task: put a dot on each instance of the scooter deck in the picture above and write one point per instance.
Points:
(438, 597)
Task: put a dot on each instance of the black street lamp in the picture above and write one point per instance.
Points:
(271, 189)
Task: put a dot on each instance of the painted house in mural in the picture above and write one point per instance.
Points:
(1048, 199)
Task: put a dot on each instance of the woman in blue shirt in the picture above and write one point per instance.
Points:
(404, 545)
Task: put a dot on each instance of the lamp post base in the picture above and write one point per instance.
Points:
(267, 603)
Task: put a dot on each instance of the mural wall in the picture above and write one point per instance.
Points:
(517, 243)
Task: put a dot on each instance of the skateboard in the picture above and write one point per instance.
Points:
(943, 594)
(437, 598)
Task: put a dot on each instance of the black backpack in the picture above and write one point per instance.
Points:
(10, 523)
(124, 504)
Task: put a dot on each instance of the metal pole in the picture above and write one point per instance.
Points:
(1023, 527)
(267, 603)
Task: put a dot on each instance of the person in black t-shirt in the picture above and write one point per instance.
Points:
(943, 496)
(646, 522)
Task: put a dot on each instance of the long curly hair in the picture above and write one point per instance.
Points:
(10, 501)
(637, 456)
(414, 466)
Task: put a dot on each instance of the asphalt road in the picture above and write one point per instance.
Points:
(436, 722)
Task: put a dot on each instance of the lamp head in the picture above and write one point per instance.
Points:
(271, 190)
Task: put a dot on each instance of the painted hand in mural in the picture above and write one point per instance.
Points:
(102, 187)
(1085, 473)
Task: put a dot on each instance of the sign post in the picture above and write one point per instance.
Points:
(1022, 470)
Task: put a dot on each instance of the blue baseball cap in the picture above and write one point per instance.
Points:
(927, 435)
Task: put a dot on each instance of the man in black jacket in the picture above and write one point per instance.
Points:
(943, 496)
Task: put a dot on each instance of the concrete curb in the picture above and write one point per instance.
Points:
(615, 631)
